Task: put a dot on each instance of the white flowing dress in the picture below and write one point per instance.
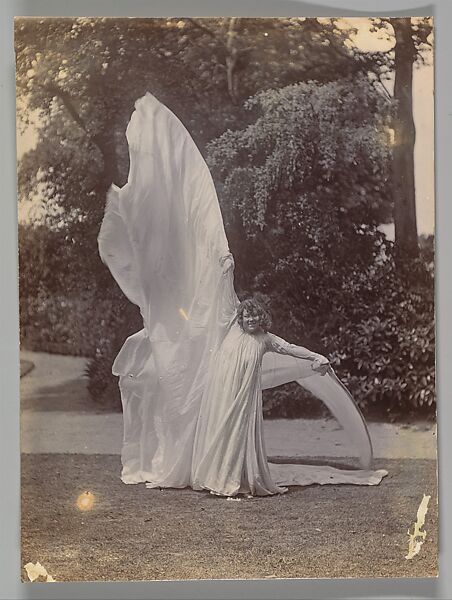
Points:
(191, 379)
(229, 451)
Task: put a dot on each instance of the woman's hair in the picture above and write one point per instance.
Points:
(253, 306)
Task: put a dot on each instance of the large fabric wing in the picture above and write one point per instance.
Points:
(278, 369)
(116, 250)
(163, 239)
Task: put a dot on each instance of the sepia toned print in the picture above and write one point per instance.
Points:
(188, 188)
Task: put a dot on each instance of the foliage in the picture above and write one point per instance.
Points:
(421, 33)
(69, 310)
(312, 245)
(303, 190)
(382, 346)
(81, 325)
(81, 76)
(62, 324)
(386, 354)
(330, 140)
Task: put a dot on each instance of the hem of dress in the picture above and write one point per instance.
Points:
(281, 490)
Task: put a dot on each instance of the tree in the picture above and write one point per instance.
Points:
(309, 181)
(407, 44)
(411, 43)
(86, 73)
(82, 75)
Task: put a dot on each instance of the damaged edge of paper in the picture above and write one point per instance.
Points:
(417, 538)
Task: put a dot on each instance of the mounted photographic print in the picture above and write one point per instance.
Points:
(226, 244)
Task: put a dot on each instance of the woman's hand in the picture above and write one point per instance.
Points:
(227, 263)
(321, 365)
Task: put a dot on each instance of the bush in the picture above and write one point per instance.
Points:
(74, 325)
(381, 342)
(291, 401)
(81, 325)
(387, 358)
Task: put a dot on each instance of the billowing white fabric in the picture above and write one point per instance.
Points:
(163, 240)
(278, 370)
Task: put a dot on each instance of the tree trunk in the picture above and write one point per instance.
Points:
(231, 58)
(404, 196)
(107, 146)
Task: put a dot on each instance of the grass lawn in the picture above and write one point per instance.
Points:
(133, 533)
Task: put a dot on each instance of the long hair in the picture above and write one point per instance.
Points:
(254, 307)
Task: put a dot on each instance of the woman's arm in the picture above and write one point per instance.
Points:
(276, 344)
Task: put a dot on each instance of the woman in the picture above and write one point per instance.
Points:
(229, 451)
(164, 242)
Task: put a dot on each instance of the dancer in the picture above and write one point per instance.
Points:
(191, 379)
(229, 451)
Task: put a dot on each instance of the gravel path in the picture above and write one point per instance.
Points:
(58, 416)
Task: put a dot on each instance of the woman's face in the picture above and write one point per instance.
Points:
(251, 322)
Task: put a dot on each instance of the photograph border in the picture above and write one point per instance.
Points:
(11, 586)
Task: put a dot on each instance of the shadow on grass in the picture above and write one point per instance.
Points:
(338, 463)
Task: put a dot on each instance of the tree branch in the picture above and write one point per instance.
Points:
(206, 29)
(65, 97)
(383, 87)
(69, 105)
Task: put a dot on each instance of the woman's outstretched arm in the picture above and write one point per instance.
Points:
(276, 344)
